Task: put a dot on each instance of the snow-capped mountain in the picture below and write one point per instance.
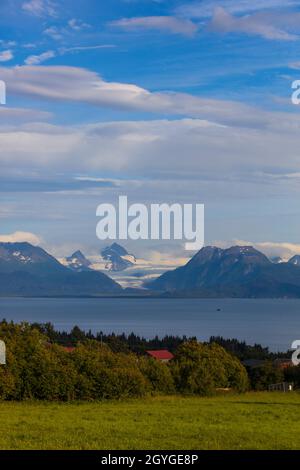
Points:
(234, 272)
(31, 271)
(77, 262)
(117, 258)
(19, 256)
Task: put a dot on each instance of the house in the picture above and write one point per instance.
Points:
(283, 363)
(162, 355)
(69, 349)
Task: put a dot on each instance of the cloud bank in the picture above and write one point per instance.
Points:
(21, 237)
(161, 23)
(74, 84)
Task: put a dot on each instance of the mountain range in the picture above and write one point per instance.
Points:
(239, 271)
(27, 270)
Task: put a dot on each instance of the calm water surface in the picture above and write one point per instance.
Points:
(273, 323)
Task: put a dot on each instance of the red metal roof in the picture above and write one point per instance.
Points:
(69, 348)
(161, 354)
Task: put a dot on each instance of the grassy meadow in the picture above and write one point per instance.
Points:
(248, 421)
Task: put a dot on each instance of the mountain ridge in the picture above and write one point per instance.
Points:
(26, 270)
(238, 271)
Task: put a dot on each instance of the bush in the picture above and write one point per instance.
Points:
(104, 374)
(267, 374)
(37, 369)
(201, 369)
(34, 369)
(158, 375)
(292, 374)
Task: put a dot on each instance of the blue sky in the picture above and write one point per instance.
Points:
(167, 101)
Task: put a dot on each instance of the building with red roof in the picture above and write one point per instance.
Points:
(162, 355)
(69, 348)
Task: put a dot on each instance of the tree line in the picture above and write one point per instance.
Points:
(138, 344)
(39, 368)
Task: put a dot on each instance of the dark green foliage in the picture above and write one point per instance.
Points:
(138, 344)
(292, 374)
(35, 369)
(117, 343)
(105, 374)
(158, 374)
(39, 369)
(201, 369)
(242, 350)
(265, 375)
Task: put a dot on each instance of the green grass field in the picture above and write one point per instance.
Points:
(249, 421)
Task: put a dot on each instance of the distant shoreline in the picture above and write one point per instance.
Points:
(135, 296)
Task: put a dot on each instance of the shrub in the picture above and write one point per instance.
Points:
(267, 374)
(158, 375)
(292, 374)
(104, 374)
(37, 369)
(200, 369)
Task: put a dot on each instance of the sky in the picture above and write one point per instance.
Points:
(162, 101)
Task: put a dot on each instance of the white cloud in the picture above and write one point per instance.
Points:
(5, 56)
(161, 23)
(29, 45)
(295, 66)
(266, 25)
(38, 59)
(267, 19)
(165, 260)
(78, 25)
(201, 9)
(73, 26)
(40, 8)
(190, 150)
(65, 50)
(12, 115)
(21, 237)
(75, 84)
(7, 44)
(226, 142)
(54, 33)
